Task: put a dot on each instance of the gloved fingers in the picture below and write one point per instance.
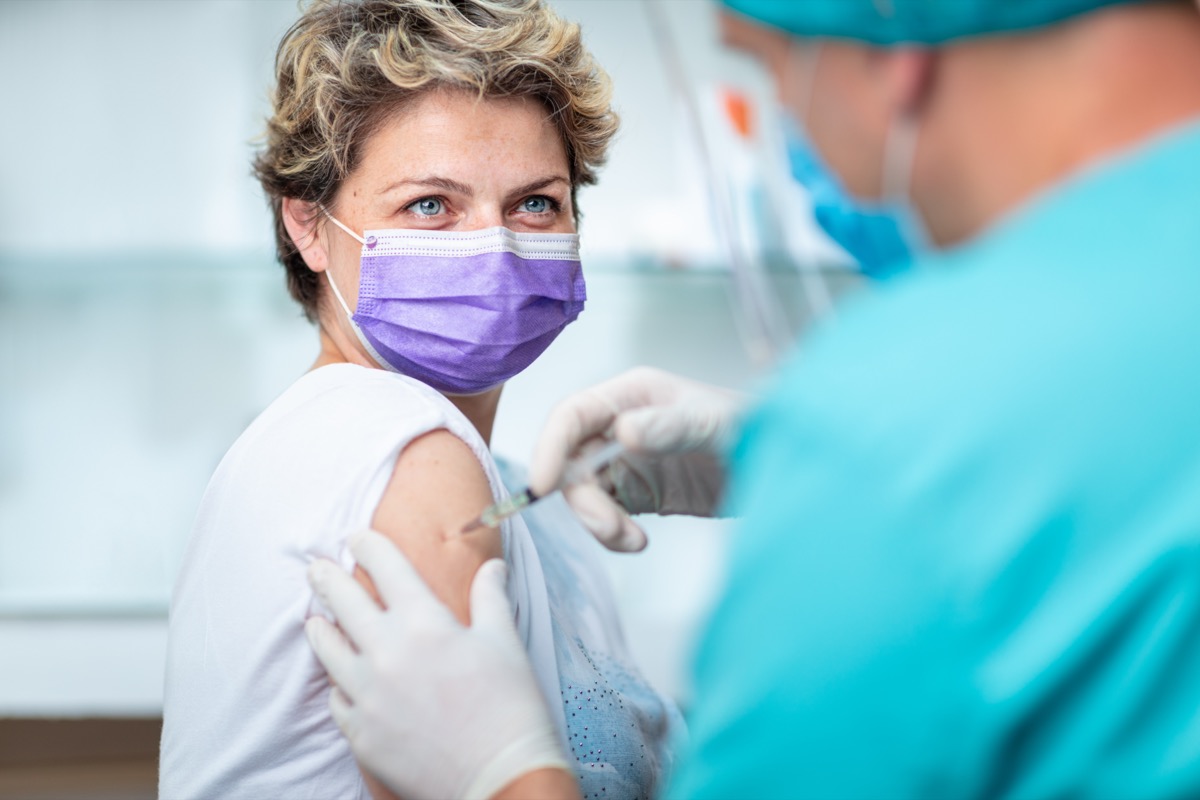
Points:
(334, 652)
(679, 428)
(394, 576)
(659, 430)
(632, 538)
(570, 424)
(356, 612)
(605, 518)
(489, 597)
(590, 414)
(643, 386)
(598, 512)
(342, 711)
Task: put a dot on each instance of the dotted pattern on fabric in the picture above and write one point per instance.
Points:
(619, 729)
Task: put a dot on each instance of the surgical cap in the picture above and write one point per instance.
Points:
(887, 22)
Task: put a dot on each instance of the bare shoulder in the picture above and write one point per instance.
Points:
(437, 486)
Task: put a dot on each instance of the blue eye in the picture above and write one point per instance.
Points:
(427, 207)
(536, 205)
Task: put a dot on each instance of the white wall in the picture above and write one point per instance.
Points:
(143, 323)
(130, 123)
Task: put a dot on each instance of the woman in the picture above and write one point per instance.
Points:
(421, 163)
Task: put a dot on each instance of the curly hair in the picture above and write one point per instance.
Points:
(346, 65)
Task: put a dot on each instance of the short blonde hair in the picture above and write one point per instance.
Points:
(348, 64)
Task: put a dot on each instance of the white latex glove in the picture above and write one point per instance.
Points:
(676, 432)
(432, 708)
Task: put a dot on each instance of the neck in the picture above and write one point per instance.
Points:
(1011, 116)
(479, 409)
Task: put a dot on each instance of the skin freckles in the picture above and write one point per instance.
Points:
(447, 161)
(436, 148)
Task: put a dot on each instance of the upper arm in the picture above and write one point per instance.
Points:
(437, 486)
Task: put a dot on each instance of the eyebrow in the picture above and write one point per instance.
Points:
(450, 185)
(436, 181)
(540, 183)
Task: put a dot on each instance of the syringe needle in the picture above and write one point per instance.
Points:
(576, 472)
(493, 515)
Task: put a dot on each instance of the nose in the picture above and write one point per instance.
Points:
(486, 215)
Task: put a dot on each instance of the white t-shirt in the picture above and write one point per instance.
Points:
(246, 702)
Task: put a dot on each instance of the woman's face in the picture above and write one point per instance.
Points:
(449, 162)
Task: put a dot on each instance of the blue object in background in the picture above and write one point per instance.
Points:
(969, 561)
(881, 237)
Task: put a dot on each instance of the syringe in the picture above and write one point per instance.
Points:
(576, 472)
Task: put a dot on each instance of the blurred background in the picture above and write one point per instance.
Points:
(144, 324)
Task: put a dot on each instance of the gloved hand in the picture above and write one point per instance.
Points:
(433, 709)
(676, 432)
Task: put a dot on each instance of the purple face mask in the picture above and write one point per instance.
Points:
(463, 311)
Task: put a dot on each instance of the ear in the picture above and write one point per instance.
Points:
(909, 74)
(302, 221)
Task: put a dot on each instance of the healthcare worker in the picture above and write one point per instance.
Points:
(968, 562)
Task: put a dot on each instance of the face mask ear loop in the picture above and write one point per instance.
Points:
(338, 295)
(899, 157)
(899, 153)
(337, 222)
(816, 292)
(329, 272)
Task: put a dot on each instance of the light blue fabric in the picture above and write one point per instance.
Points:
(889, 22)
(969, 560)
(620, 731)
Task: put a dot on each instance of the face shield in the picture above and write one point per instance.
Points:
(783, 273)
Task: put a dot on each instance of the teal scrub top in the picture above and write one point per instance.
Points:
(969, 559)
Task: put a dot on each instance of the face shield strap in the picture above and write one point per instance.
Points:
(805, 59)
(899, 149)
